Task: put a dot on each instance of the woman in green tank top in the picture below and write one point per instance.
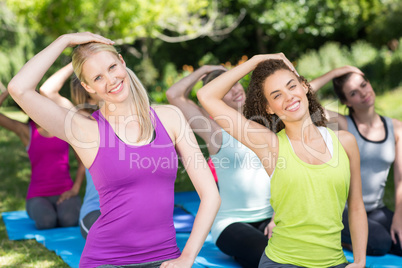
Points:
(313, 170)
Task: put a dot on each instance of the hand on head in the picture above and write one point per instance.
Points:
(86, 37)
(348, 69)
(280, 56)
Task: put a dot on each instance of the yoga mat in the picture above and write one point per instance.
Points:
(386, 261)
(68, 242)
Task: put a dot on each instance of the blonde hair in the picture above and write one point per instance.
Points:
(80, 96)
(140, 97)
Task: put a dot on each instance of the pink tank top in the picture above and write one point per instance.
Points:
(136, 196)
(49, 165)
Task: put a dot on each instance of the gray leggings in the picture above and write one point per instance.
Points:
(47, 214)
(87, 222)
(152, 264)
(265, 262)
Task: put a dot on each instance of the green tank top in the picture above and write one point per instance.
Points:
(308, 201)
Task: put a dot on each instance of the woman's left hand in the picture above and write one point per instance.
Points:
(66, 195)
(180, 262)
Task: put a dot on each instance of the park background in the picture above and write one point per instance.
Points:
(163, 41)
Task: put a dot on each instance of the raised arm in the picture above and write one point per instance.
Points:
(396, 227)
(19, 128)
(53, 85)
(250, 133)
(356, 211)
(197, 117)
(42, 110)
(201, 177)
(319, 82)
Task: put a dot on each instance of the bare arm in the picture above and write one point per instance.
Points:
(396, 227)
(79, 178)
(201, 177)
(78, 130)
(178, 95)
(250, 133)
(53, 85)
(319, 82)
(356, 211)
(19, 128)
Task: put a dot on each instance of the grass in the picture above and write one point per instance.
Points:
(15, 173)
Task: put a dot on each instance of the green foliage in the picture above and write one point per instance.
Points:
(382, 66)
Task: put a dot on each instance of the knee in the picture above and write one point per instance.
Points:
(379, 244)
(68, 219)
(46, 222)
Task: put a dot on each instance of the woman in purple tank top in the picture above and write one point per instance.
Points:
(52, 197)
(131, 152)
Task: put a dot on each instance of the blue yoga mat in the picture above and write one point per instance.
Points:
(68, 242)
(190, 201)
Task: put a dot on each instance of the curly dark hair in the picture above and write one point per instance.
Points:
(255, 107)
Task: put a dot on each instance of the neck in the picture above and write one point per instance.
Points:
(367, 117)
(117, 110)
(301, 130)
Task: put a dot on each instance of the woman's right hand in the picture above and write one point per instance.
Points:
(269, 228)
(346, 69)
(75, 39)
(277, 56)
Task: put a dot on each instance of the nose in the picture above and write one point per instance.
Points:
(288, 96)
(111, 79)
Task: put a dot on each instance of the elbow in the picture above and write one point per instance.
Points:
(201, 96)
(14, 89)
(170, 96)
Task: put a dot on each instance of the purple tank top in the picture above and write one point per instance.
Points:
(136, 196)
(49, 165)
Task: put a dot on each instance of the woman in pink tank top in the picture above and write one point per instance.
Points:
(131, 151)
(52, 198)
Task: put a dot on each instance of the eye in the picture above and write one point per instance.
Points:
(364, 84)
(352, 94)
(97, 78)
(277, 96)
(113, 66)
(292, 87)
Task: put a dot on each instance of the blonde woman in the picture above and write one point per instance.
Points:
(130, 150)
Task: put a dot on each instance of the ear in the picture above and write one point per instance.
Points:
(122, 60)
(305, 87)
(269, 110)
(88, 88)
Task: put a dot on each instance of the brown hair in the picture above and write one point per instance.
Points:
(211, 76)
(338, 84)
(255, 107)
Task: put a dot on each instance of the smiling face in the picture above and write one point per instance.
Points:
(286, 96)
(105, 74)
(358, 92)
(236, 96)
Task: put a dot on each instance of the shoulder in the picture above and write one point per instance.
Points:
(171, 117)
(168, 112)
(397, 128)
(347, 140)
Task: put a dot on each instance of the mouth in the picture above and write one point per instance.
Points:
(238, 98)
(293, 107)
(117, 89)
(367, 99)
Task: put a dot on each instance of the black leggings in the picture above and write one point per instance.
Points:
(47, 214)
(379, 236)
(88, 221)
(244, 241)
